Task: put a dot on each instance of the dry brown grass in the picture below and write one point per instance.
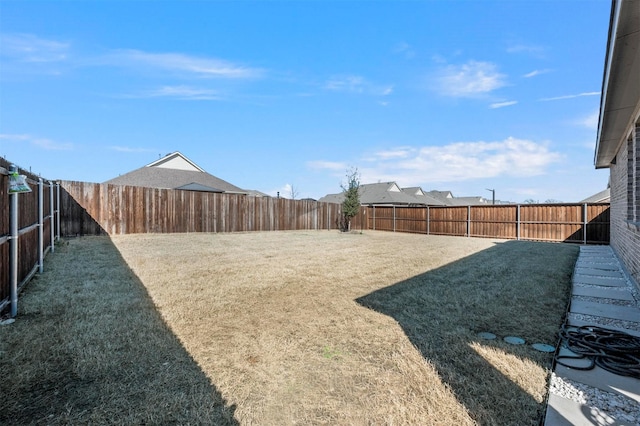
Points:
(309, 327)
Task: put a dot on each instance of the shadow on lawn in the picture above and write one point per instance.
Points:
(512, 289)
(93, 349)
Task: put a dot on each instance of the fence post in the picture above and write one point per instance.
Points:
(518, 222)
(13, 248)
(40, 226)
(584, 224)
(51, 217)
(374, 218)
(468, 221)
(57, 212)
(428, 221)
(394, 218)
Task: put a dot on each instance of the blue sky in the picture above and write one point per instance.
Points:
(447, 95)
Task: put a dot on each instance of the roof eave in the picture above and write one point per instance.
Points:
(619, 104)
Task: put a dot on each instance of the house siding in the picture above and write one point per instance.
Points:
(625, 203)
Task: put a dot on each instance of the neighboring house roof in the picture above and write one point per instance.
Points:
(424, 197)
(441, 195)
(620, 99)
(390, 193)
(467, 201)
(381, 193)
(449, 200)
(255, 193)
(175, 171)
(600, 197)
(176, 161)
(198, 187)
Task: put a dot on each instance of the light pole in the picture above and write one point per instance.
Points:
(493, 195)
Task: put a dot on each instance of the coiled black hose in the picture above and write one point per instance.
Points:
(615, 351)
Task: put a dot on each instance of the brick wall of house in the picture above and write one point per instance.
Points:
(625, 204)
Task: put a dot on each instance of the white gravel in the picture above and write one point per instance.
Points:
(609, 405)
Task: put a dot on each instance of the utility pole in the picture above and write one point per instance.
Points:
(493, 195)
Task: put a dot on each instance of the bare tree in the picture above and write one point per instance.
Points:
(293, 192)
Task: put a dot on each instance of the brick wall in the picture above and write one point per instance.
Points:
(625, 204)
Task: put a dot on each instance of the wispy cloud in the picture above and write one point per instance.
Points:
(473, 160)
(13, 137)
(404, 49)
(44, 143)
(590, 121)
(129, 149)
(357, 84)
(529, 49)
(502, 104)
(396, 153)
(456, 162)
(202, 67)
(285, 191)
(579, 95)
(535, 73)
(185, 93)
(33, 49)
(335, 166)
(469, 80)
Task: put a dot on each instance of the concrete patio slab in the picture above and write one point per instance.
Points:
(603, 281)
(604, 254)
(596, 249)
(602, 292)
(564, 412)
(598, 266)
(597, 259)
(607, 310)
(602, 379)
(599, 272)
(609, 257)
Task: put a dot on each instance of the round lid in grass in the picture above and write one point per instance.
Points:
(514, 340)
(486, 335)
(543, 347)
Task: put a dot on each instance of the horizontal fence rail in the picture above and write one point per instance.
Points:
(99, 208)
(576, 223)
(28, 230)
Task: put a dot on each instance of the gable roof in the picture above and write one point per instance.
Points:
(175, 171)
(600, 197)
(177, 161)
(423, 197)
(467, 201)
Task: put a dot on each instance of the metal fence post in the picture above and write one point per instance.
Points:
(584, 224)
(468, 221)
(374, 218)
(40, 225)
(57, 212)
(13, 248)
(394, 218)
(51, 217)
(428, 220)
(518, 222)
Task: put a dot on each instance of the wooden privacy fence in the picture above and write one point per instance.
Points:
(27, 232)
(577, 223)
(94, 208)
